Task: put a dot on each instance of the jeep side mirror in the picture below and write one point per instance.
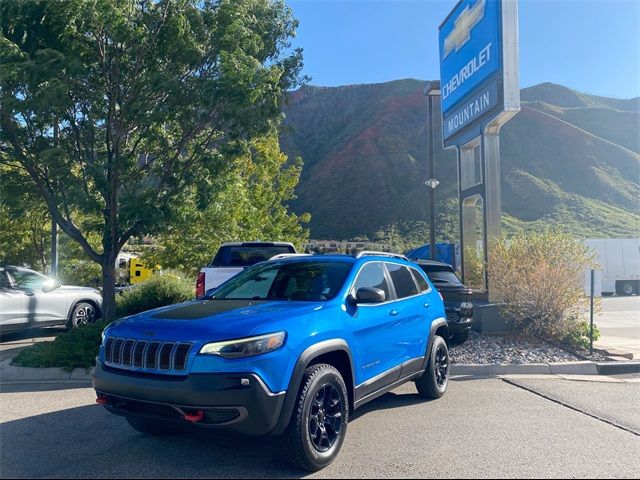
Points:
(370, 295)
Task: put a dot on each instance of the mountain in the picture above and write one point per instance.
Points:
(567, 158)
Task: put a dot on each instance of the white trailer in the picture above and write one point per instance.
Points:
(619, 259)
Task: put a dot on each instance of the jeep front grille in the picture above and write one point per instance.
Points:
(161, 356)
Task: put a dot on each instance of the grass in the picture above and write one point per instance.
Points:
(77, 348)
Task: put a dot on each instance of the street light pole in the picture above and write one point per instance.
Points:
(432, 90)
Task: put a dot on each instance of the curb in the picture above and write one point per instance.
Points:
(11, 373)
(567, 368)
(618, 368)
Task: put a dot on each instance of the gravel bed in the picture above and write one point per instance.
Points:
(491, 349)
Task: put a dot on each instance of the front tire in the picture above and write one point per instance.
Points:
(83, 313)
(434, 381)
(318, 425)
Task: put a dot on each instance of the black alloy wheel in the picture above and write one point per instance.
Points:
(325, 418)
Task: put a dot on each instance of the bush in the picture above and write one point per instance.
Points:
(539, 277)
(77, 348)
(578, 336)
(156, 292)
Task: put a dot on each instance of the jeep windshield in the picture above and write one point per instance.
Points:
(303, 281)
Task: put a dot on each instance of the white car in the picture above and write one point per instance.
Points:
(30, 299)
(234, 257)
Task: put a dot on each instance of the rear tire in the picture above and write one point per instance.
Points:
(318, 425)
(149, 428)
(434, 381)
(627, 288)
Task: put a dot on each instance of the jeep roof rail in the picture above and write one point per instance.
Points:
(373, 253)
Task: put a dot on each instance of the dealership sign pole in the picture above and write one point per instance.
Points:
(480, 92)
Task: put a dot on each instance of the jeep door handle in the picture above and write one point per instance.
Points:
(394, 313)
(426, 305)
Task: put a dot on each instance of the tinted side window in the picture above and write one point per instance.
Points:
(402, 280)
(372, 276)
(422, 283)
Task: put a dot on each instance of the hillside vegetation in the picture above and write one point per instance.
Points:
(567, 158)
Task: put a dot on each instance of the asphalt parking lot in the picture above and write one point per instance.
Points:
(524, 427)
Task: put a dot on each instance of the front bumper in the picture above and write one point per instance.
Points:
(206, 401)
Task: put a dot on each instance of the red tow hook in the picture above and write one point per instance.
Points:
(102, 401)
(195, 417)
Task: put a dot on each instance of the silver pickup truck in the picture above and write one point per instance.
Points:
(234, 257)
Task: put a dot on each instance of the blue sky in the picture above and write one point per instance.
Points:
(589, 45)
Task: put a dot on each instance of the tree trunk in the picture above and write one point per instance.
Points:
(109, 289)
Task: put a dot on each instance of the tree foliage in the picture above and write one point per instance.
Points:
(250, 205)
(118, 109)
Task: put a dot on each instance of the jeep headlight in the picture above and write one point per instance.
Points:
(246, 347)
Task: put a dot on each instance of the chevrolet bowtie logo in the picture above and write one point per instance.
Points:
(461, 34)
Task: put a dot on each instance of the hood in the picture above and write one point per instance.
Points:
(211, 320)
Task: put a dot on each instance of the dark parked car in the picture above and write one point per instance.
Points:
(457, 297)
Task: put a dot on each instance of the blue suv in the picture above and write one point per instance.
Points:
(288, 348)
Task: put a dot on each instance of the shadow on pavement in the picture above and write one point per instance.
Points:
(28, 335)
(390, 401)
(88, 442)
(12, 343)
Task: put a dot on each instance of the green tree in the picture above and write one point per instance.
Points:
(25, 223)
(114, 107)
(250, 205)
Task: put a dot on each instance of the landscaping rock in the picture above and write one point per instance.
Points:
(510, 349)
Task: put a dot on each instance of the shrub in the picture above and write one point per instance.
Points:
(539, 277)
(578, 336)
(156, 292)
(77, 348)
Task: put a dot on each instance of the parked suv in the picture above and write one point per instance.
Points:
(30, 299)
(457, 298)
(288, 348)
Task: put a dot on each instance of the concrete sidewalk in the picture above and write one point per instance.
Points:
(619, 325)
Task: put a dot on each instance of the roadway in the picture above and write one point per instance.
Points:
(483, 428)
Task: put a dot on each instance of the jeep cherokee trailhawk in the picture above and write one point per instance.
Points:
(289, 348)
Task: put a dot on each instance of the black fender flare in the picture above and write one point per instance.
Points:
(305, 359)
(435, 325)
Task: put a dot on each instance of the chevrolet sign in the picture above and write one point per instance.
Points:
(478, 57)
(461, 33)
